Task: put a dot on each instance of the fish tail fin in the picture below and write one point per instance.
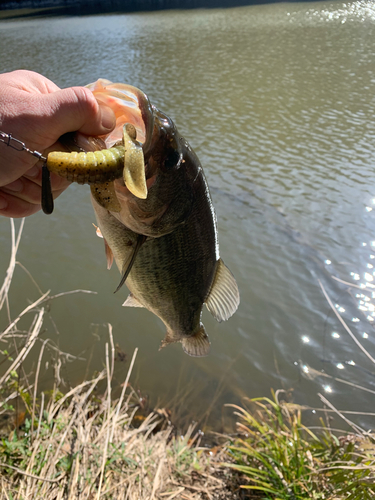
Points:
(198, 344)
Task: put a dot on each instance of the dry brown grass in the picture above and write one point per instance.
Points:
(79, 445)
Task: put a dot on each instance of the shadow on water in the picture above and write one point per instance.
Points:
(14, 10)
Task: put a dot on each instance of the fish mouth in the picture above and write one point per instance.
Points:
(131, 106)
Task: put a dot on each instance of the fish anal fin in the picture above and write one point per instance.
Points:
(168, 339)
(132, 301)
(224, 296)
(105, 195)
(129, 263)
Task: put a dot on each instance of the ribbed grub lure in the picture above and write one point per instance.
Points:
(97, 168)
(101, 168)
(88, 168)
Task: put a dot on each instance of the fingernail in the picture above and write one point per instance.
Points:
(108, 118)
(15, 186)
(3, 203)
(33, 172)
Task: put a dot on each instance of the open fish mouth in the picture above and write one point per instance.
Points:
(134, 127)
(130, 105)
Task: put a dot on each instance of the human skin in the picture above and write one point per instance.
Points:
(37, 112)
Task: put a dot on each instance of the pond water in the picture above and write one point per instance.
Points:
(278, 102)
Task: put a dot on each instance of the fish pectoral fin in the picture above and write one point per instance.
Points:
(129, 263)
(132, 301)
(105, 195)
(224, 296)
(134, 163)
(198, 344)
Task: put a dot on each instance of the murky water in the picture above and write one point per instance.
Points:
(278, 101)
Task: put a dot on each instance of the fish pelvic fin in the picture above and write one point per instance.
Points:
(196, 345)
(129, 263)
(132, 301)
(224, 296)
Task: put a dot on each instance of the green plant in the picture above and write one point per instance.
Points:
(285, 460)
(184, 452)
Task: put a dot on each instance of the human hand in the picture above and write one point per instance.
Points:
(37, 112)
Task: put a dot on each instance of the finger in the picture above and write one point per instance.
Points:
(76, 108)
(57, 183)
(29, 191)
(13, 206)
(24, 189)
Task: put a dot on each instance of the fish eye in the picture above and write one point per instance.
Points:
(172, 159)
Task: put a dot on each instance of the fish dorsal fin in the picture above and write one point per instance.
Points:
(132, 301)
(105, 195)
(129, 263)
(224, 296)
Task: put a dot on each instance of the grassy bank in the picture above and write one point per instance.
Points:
(79, 445)
(84, 444)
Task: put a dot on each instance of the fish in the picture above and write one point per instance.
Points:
(165, 244)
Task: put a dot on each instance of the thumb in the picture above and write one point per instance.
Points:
(76, 109)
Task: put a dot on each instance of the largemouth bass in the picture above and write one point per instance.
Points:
(160, 227)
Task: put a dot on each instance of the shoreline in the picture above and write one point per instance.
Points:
(31, 8)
